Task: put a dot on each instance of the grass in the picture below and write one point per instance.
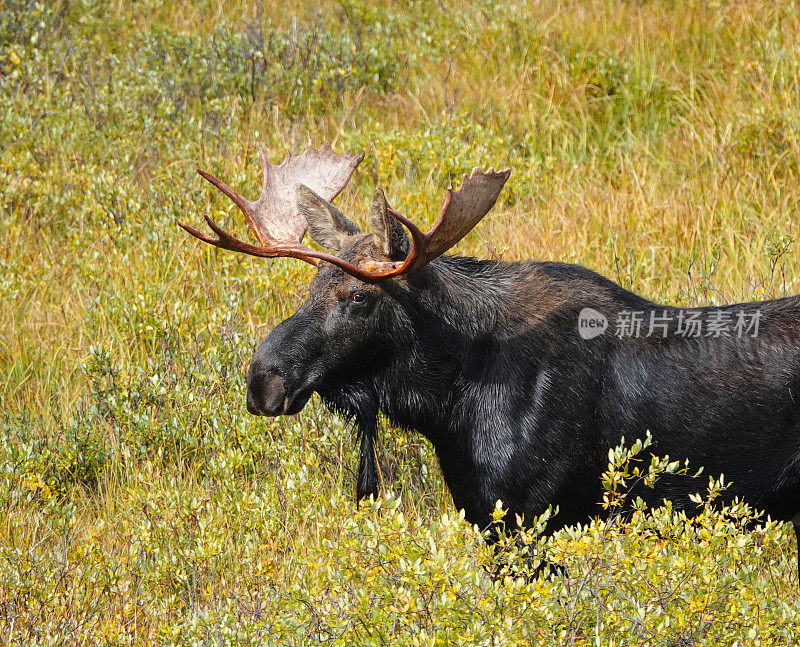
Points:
(655, 142)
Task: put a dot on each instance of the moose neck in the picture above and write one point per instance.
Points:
(444, 319)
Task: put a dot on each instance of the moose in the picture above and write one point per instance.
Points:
(522, 375)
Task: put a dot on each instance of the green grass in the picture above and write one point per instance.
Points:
(655, 142)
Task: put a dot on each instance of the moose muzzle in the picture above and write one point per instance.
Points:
(266, 393)
(281, 378)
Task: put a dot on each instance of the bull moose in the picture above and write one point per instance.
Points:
(521, 374)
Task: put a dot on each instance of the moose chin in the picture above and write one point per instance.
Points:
(496, 364)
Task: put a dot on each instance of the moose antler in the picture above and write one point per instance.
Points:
(279, 226)
(274, 217)
(461, 212)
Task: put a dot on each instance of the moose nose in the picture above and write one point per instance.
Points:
(266, 394)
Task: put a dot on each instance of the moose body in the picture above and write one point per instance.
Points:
(486, 360)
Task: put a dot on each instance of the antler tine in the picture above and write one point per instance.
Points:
(245, 206)
(224, 240)
(266, 167)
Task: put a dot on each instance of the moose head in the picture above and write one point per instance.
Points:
(337, 333)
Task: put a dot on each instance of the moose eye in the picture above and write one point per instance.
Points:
(358, 297)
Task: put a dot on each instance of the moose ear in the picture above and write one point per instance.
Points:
(392, 238)
(328, 226)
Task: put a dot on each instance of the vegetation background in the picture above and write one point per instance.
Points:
(653, 141)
